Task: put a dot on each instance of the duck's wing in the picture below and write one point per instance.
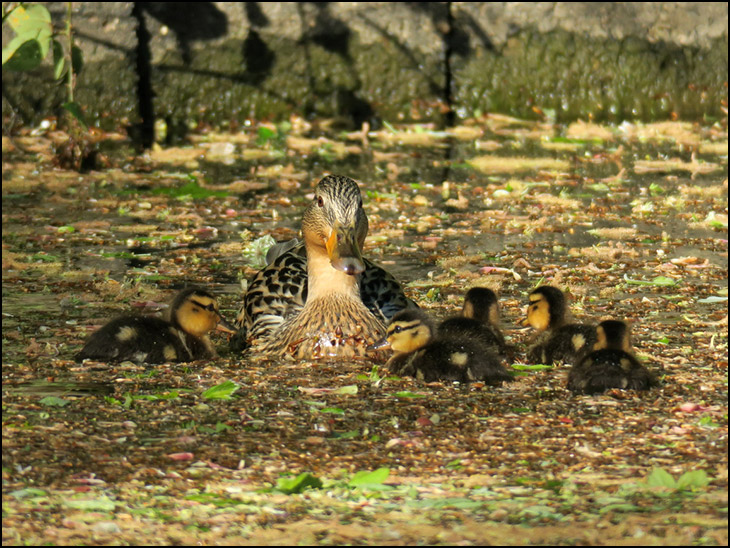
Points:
(275, 292)
(382, 293)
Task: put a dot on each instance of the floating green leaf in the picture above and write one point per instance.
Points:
(53, 401)
(223, 391)
(364, 478)
(298, 484)
(660, 281)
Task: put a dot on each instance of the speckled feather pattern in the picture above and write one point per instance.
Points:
(279, 291)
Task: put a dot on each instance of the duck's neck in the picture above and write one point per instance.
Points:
(326, 280)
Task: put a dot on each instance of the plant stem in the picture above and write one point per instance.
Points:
(70, 54)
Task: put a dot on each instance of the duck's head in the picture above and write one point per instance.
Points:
(408, 331)
(613, 334)
(335, 222)
(547, 308)
(195, 311)
(481, 304)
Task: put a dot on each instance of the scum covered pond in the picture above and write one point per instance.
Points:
(631, 220)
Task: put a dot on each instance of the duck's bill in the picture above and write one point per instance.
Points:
(382, 343)
(344, 251)
(224, 326)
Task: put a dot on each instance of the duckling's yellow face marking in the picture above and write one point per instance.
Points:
(538, 312)
(468, 311)
(408, 336)
(613, 334)
(198, 315)
(126, 333)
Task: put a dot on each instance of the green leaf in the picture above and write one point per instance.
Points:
(303, 481)
(27, 493)
(333, 410)
(77, 59)
(53, 401)
(407, 394)
(661, 281)
(528, 367)
(659, 477)
(103, 504)
(347, 390)
(74, 109)
(222, 391)
(21, 55)
(32, 23)
(693, 479)
(59, 62)
(363, 478)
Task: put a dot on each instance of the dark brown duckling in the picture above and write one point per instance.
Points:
(557, 339)
(611, 363)
(146, 339)
(479, 319)
(420, 354)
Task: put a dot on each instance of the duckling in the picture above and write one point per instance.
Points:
(181, 337)
(556, 339)
(479, 319)
(444, 357)
(321, 298)
(611, 363)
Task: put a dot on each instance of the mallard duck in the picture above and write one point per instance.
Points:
(479, 319)
(611, 363)
(421, 353)
(557, 339)
(321, 298)
(182, 336)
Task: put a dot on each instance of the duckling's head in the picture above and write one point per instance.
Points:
(335, 222)
(613, 334)
(195, 311)
(481, 304)
(547, 308)
(408, 331)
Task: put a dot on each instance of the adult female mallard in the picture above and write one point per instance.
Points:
(322, 298)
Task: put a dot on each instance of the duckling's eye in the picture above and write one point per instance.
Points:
(320, 201)
(397, 329)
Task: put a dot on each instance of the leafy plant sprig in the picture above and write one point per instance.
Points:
(34, 38)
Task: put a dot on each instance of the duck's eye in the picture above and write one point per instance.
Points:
(320, 201)
(397, 329)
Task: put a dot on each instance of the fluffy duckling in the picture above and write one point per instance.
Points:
(182, 337)
(450, 358)
(479, 319)
(611, 363)
(557, 339)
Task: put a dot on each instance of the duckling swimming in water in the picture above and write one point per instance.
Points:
(556, 339)
(479, 319)
(182, 337)
(444, 357)
(610, 364)
(321, 298)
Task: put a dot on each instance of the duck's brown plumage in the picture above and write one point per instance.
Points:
(321, 298)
